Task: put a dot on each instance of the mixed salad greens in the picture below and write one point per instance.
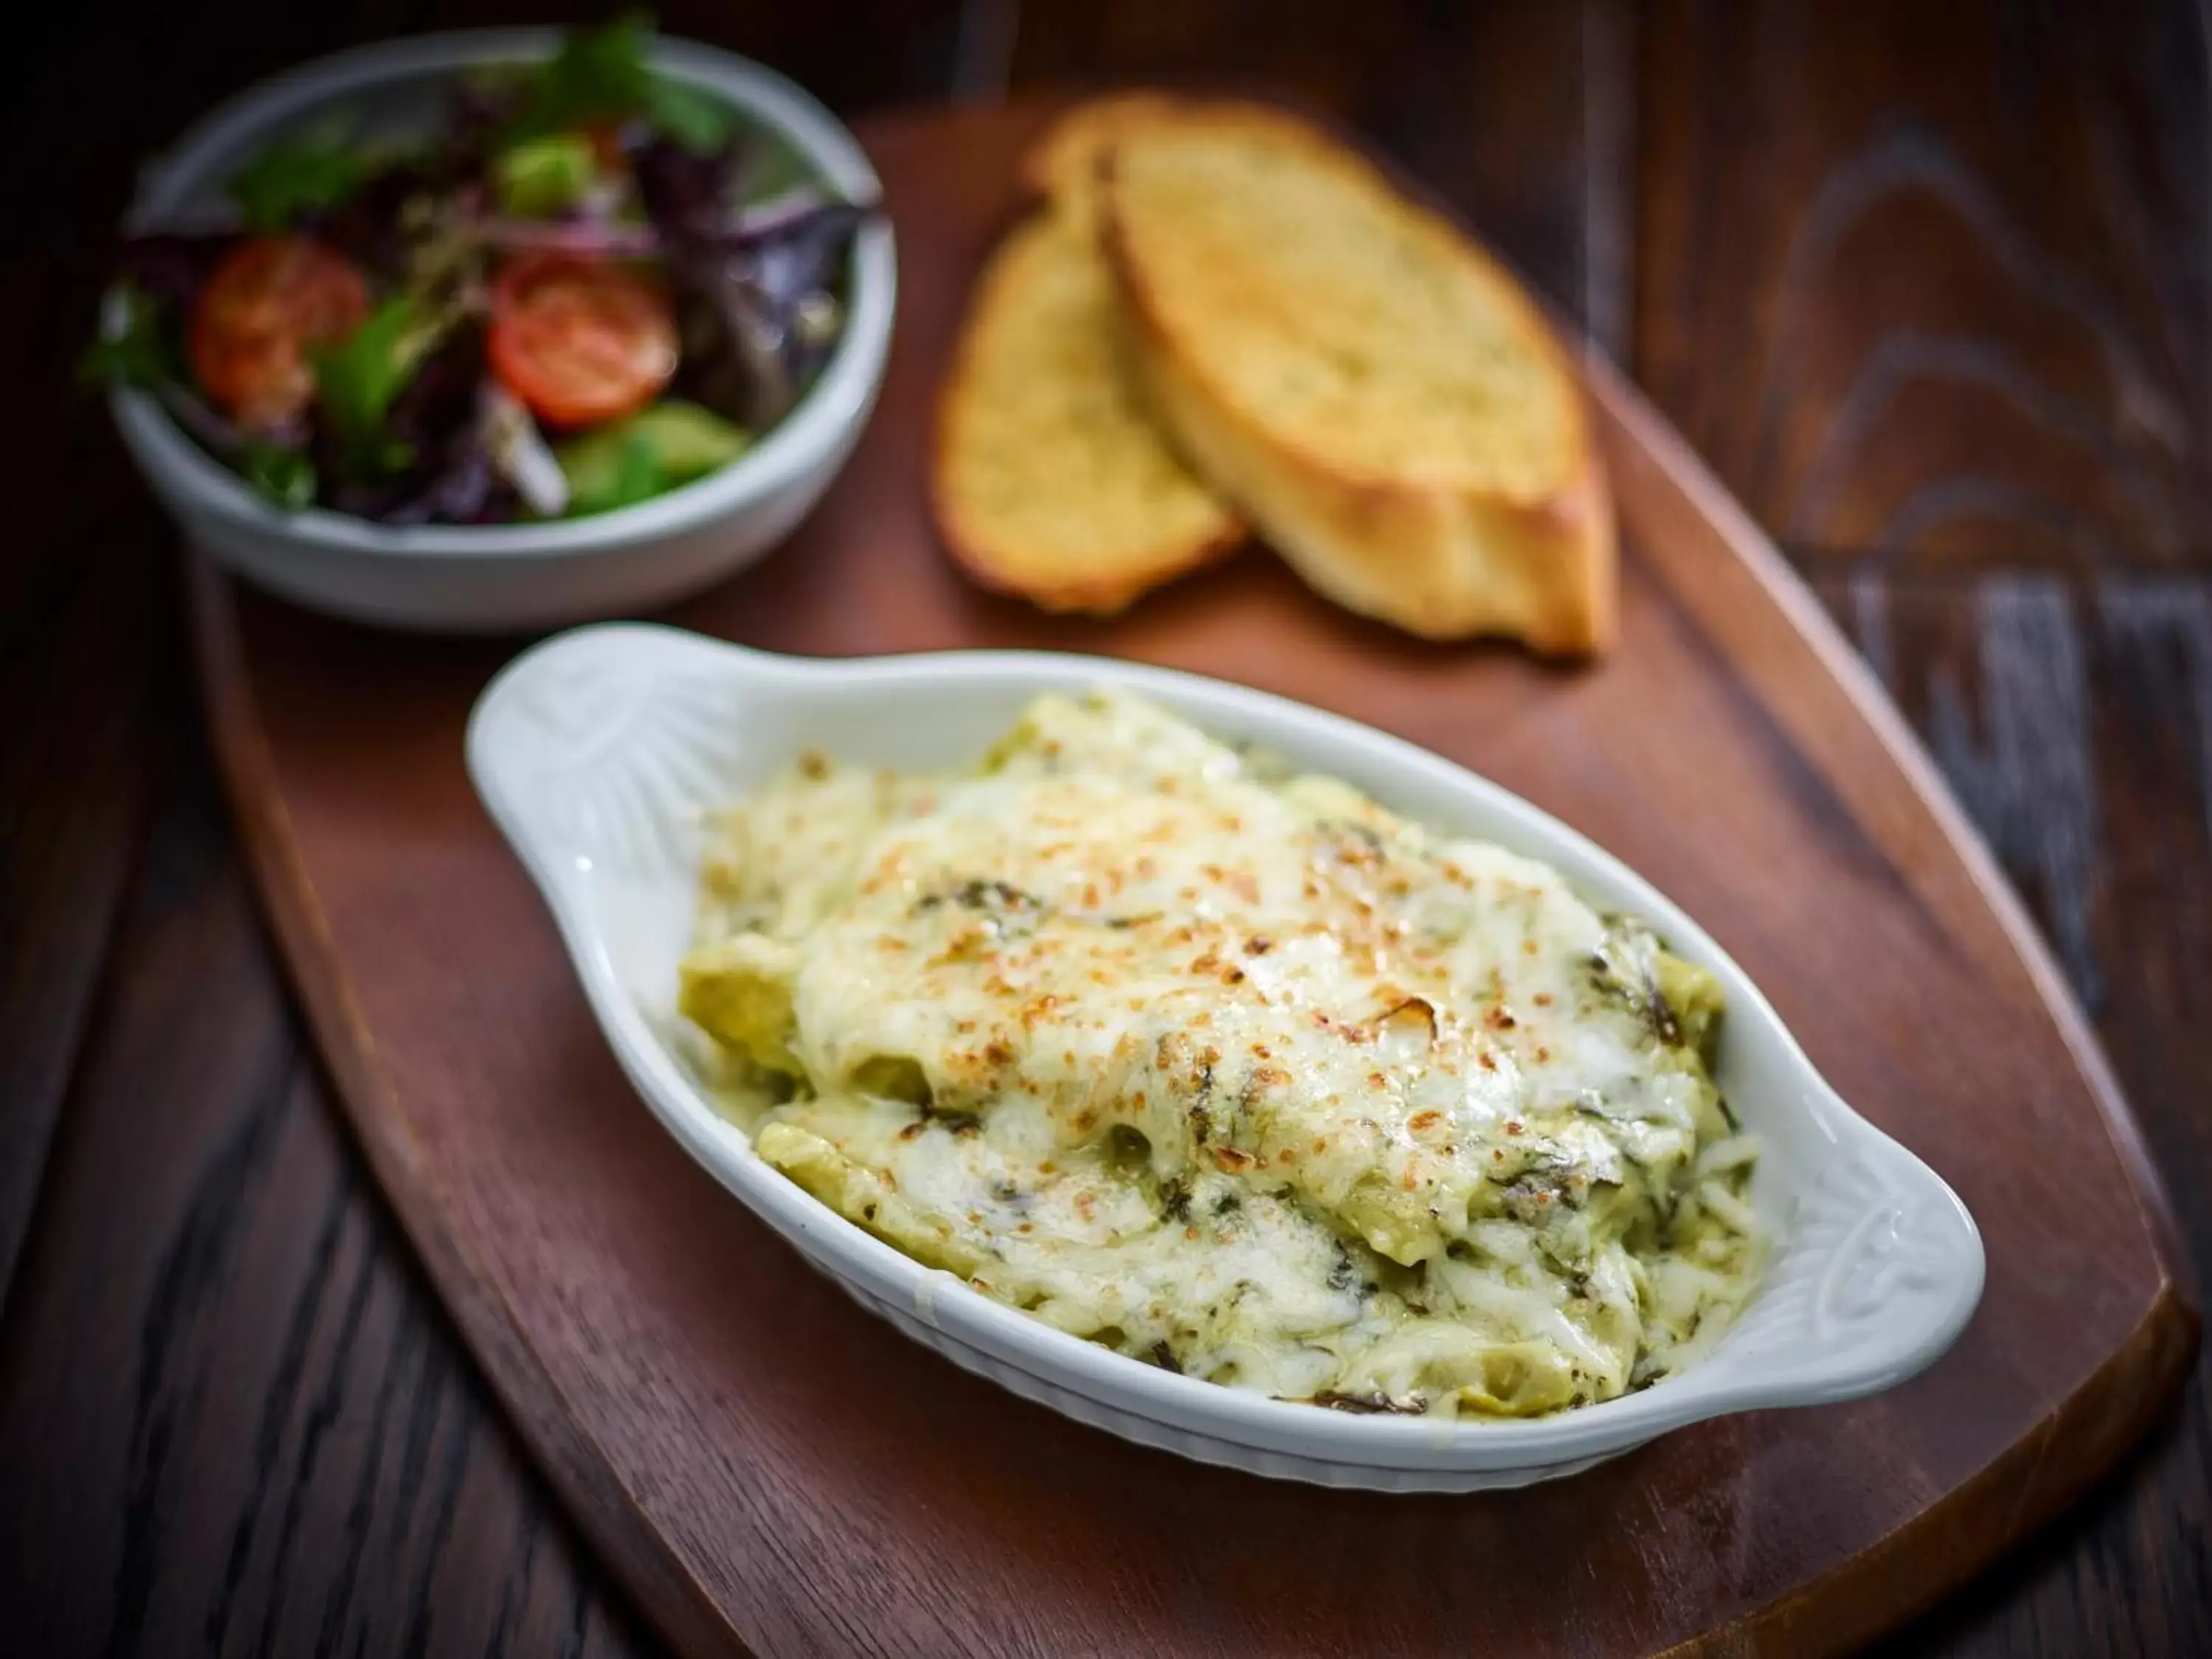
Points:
(591, 284)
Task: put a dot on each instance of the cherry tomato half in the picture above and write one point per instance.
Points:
(269, 300)
(580, 341)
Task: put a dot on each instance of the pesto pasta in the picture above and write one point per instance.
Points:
(1230, 1068)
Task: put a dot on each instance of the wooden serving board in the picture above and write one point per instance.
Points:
(768, 1467)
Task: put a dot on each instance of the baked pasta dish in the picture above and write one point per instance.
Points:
(1229, 1068)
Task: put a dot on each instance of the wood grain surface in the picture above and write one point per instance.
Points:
(2014, 536)
(715, 1417)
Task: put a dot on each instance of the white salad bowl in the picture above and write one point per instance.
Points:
(506, 577)
(598, 754)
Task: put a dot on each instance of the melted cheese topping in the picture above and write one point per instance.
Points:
(1230, 1069)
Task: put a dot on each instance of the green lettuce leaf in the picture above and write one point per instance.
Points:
(357, 377)
(134, 355)
(294, 178)
(601, 75)
(649, 454)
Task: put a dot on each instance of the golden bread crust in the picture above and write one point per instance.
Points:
(1047, 478)
(1383, 402)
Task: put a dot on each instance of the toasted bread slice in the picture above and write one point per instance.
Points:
(1061, 168)
(1382, 401)
(1049, 480)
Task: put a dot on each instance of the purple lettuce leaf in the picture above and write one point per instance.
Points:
(752, 291)
(448, 478)
(686, 192)
(170, 267)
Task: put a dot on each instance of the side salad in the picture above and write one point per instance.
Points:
(588, 285)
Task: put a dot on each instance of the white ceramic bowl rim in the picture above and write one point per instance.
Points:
(1882, 1349)
(838, 397)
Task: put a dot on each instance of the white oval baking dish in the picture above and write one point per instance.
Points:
(596, 752)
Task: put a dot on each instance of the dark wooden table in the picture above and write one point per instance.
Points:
(1930, 286)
